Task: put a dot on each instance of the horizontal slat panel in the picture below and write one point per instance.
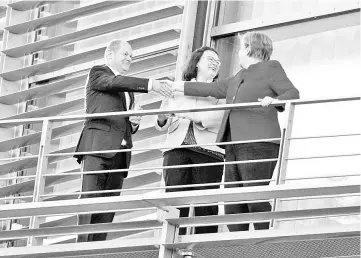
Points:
(166, 58)
(143, 17)
(61, 131)
(82, 57)
(141, 180)
(54, 110)
(91, 228)
(20, 141)
(91, 248)
(18, 165)
(22, 5)
(175, 199)
(85, 67)
(28, 185)
(63, 16)
(22, 187)
(34, 138)
(137, 158)
(68, 129)
(43, 90)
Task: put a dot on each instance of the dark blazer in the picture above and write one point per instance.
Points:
(105, 93)
(248, 85)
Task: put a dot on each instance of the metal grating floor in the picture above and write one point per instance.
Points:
(145, 254)
(346, 246)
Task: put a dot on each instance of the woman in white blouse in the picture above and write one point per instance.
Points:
(194, 128)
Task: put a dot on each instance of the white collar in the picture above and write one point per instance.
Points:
(194, 80)
(113, 70)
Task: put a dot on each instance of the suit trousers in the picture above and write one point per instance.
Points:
(249, 171)
(98, 182)
(192, 175)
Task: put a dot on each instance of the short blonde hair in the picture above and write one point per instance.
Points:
(258, 45)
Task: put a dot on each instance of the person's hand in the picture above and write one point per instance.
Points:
(266, 101)
(177, 86)
(163, 117)
(135, 120)
(163, 87)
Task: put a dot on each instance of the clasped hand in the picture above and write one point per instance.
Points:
(164, 87)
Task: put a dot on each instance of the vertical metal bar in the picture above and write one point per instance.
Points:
(190, 230)
(186, 37)
(39, 185)
(280, 154)
(284, 154)
(211, 7)
(168, 232)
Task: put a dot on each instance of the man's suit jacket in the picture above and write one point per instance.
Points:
(258, 81)
(105, 93)
(204, 132)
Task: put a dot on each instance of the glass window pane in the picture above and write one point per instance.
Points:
(236, 11)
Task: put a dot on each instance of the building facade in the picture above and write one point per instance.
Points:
(49, 46)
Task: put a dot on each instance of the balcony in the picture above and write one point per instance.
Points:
(147, 224)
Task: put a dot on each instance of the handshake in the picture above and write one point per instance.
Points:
(166, 87)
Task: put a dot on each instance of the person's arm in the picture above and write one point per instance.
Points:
(216, 89)
(280, 84)
(102, 80)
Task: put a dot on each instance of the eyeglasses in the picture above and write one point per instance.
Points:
(212, 60)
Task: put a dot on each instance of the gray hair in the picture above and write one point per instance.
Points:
(114, 46)
(258, 45)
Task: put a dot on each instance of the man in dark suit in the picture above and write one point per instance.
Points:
(109, 90)
(260, 79)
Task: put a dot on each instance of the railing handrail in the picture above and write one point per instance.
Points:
(62, 118)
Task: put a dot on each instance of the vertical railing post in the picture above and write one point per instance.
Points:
(284, 153)
(168, 232)
(41, 169)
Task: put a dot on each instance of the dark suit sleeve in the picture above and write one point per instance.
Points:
(102, 80)
(280, 84)
(216, 89)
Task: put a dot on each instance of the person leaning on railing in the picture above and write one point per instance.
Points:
(109, 90)
(194, 128)
(260, 79)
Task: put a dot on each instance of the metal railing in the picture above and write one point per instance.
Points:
(168, 222)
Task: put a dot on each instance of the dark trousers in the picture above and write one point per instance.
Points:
(98, 182)
(193, 175)
(250, 171)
